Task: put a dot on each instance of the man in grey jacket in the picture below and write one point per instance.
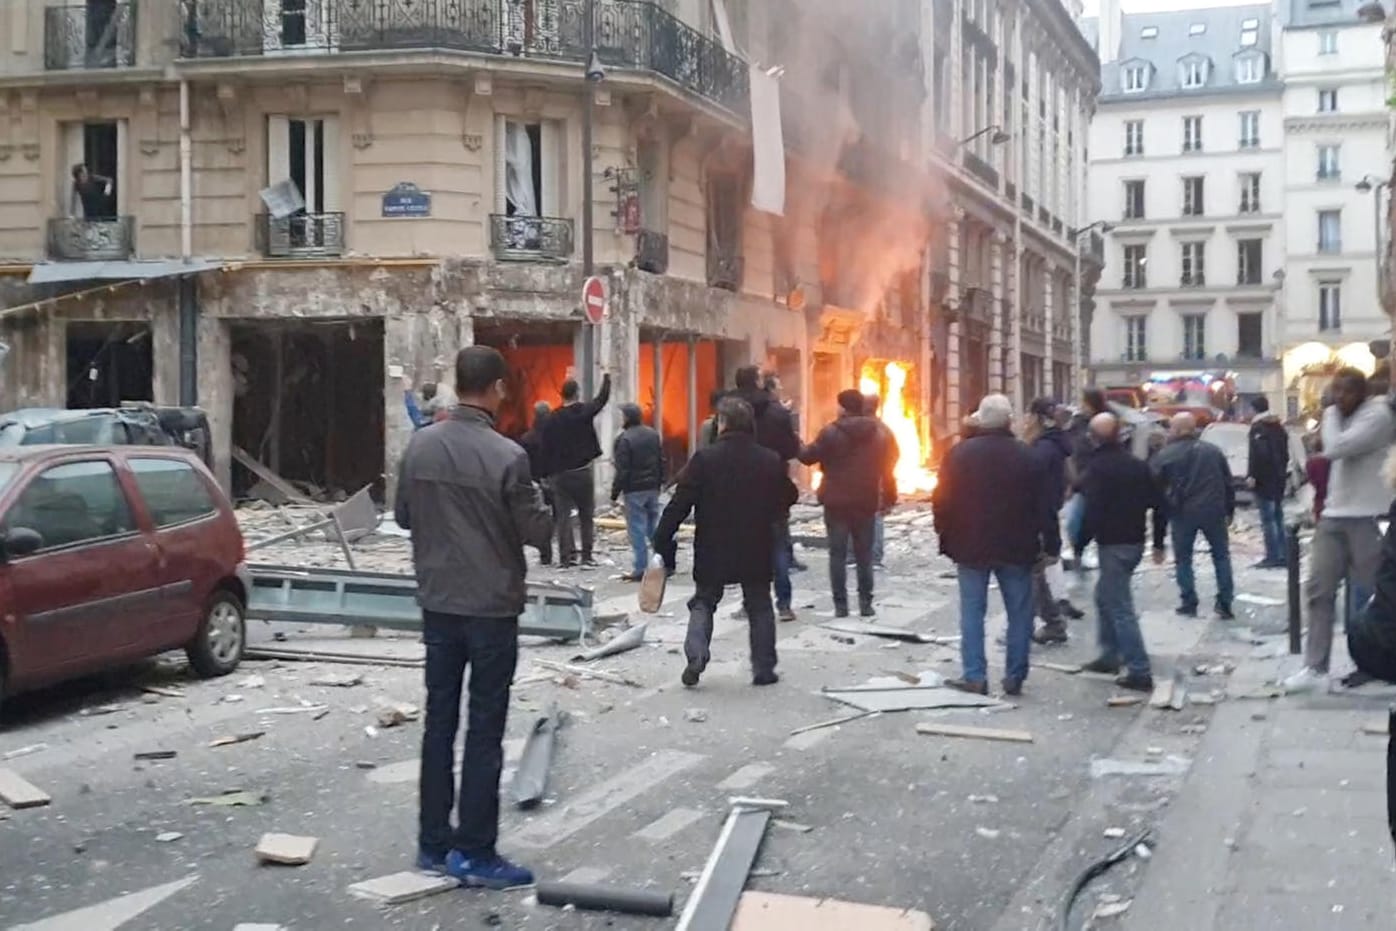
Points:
(1201, 499)
(1357, 431)
(465, 493)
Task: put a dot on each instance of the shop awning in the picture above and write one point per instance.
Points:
(60, 272)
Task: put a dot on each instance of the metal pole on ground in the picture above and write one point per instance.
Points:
(1296, 616)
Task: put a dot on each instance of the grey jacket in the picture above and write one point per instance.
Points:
(1196, 480)
(466, 494)
(1357, 448)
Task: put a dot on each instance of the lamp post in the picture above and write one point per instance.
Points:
(1374, 185)
(594, 75)
(999, 137)
(1075, 236)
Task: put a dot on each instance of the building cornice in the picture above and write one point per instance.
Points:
(1328, 123)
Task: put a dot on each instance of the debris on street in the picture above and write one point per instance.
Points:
(768, 911)
(396, 713)
(531, 776)
(1124, 701)
(339, 682)
(235, 739)
(936, 729)
(156, 754)
(406, 886)
(595, 897)
(695, 715)
(286, 849)
(632, 638)
(713, 902)
(168, 837)
(233, 798)
(833, 722)
(890, 633)
(18, 792)
(588, 673)
(1107, 909)
(1168, 766)
(24, 751)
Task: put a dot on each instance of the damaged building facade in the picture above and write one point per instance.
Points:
(431, 154)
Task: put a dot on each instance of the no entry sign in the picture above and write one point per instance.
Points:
(594, 299)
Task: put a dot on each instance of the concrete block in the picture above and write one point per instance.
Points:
(18, 792)
(286, 849)
(402, 887)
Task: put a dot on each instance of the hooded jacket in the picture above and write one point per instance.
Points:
(775, 429)
(1268, 456)
(857, 466)
(1356, 446)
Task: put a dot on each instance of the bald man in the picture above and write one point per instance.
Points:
(1201, 495)
(1119, 490)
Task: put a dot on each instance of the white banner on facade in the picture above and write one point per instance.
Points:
(768, 144)
(724, 27)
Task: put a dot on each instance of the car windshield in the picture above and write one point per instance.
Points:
(85, 431)
(8, 470)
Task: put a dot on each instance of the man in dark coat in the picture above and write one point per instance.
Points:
(1051, 448)
(570, 447)
(775, 430)
(1201, 499)
(857, 482)
(1267, 475)
(738, 492)
(1092, 403)
(532, 442)
(638, 457)
(993, 516)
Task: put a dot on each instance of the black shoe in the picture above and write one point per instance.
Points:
(1223, 611)
(588, 562)
(1102, 664)
(1136, 683)
(691, 672)
(632, 577)
(1013, 687)
(765, 678)
(867, 610)
(567, 564)
(1065, 606)
(972, 686)
(1186, 610)
(840, 610)
(1050, 633)
(1356, 679)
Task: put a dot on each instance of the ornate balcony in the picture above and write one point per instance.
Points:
(652, 252)
(630, 35)
(95, 35)
(530, 239)
(301, 235)
(725, 268)
(72, 239)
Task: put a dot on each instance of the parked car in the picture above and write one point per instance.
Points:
(1233, 439)
(110, 554)
(135, 424)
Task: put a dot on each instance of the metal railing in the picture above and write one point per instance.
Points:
(1094, 249)
(74, 239)
(725, 268)
(530, 239)
(629, 35)
(302, 234)
(1194, 280)
(652, 252)
(981, 169)
(95, 35)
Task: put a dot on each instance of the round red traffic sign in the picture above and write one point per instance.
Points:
(594, 299)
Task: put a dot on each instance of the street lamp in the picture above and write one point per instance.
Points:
(1080, 334)
(999, 137)
(595, 74)
(1371, 12)
(1373, 185)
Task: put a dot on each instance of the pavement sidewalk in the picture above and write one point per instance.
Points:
(1281, 823)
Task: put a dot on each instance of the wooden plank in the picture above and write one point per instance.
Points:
(268, 476)
(18, 792)
(936, 729)
(767, 911)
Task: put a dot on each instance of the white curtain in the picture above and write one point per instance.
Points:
(518, 170)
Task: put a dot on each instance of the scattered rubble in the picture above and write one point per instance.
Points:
(936, 729)
(286, 849)
(695, 715)
(339, 682)
(1168, 766)
(156, 754)
(394, 714)
(402, 887)
(18, 792)
(988, 833)
(24, 751)
(233, 798)
(168, 837)
(235, 739)
(632, 638)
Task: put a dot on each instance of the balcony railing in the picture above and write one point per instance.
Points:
(630, 35)
(981, 169)
(1093, 249)
(530, 239)
(95, 35)
(304, 234)
(652, 252)
(725, 269)
(1197, 280)
(72, 239)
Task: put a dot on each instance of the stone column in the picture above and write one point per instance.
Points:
(956, 295)
(998, 377)
(216, 393)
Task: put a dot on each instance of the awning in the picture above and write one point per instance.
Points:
(59, 272)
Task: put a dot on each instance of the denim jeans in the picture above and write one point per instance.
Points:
(1015, 584)
(761, 626)
(1075, 519)
(1185, 531)
(1272, 525)
(783, 554)
(879, 543)
(490, 647)
(1117, 623)
(840, 530)
(641, 518)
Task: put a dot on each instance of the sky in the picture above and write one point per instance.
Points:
(1155, 6)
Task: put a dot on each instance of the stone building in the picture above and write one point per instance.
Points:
(291, 201)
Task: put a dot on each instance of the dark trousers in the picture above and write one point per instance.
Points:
(575, 489)
(1043, 598)
(761, 621)
(840, 530)
(490, 647)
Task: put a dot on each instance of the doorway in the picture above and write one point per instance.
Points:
(108, 363)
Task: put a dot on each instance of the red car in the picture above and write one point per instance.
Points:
(111, 554)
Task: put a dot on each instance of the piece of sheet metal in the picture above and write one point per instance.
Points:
(531, 777)
(719, 887)
(632, 638)
(909, 698)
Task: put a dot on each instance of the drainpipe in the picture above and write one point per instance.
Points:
(188, 295)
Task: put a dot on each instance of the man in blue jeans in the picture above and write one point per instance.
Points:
(1196, 479)
(465, 493)
(995, 518)
(1119, 490)
(638, 457)
(1267, 475)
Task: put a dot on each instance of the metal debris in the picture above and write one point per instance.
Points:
(631, 639)
(235, 739)
(233, 798)
(1168, 766)
(531, 776)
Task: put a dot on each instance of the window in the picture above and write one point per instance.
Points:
(1134, 200)
(1248, 70)
(174, 491)
(1136, 339)
(1328, 100)
(1148, 32)
(1250, 331)
(305, 152)
(1136, 79)
(71, 504)
(1192, 134)
(1328, 167)
(725, 217)
(1136, 261)
(95, 146)
(1330, 231)
(1250, 32)
(1194, 336)
(1194, 265)
(1328, 42)
(1250, 255)
(1134, 137)
(1197, 29)
(1250, 192)
(1194, 73)
(1193, 197)
(1250, 129)
(1330, 305)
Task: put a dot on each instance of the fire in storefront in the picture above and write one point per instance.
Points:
(887, 380)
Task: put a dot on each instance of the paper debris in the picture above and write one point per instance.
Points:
(987, 833)
(168, 837)
(1168, 766)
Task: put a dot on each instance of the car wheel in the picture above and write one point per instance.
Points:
(217, 648)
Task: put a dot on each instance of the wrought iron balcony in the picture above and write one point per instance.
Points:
(1093, 249)
(1193, 280)
(530, 239)
(630, 35)
(95, 35)
(652, 252)
(301, 235)
(725, 268)
(73, 239)
(981, 169)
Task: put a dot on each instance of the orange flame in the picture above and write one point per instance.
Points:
(899, 416)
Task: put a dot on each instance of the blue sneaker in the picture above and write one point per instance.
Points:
(486, 872)
(430, 862)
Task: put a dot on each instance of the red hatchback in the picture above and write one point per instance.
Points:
(110, 554)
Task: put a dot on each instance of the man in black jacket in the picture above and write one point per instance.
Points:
(638, 457)
(775, 430)
(1119, 490)
(858, 481)
(570, 447)
(532, 442)
(467, 497)
(1267, 474)
(739, 492)
(1201, 499)
(1051, 448)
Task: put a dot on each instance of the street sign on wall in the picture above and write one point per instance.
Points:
(594, 300)
(406, 200)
